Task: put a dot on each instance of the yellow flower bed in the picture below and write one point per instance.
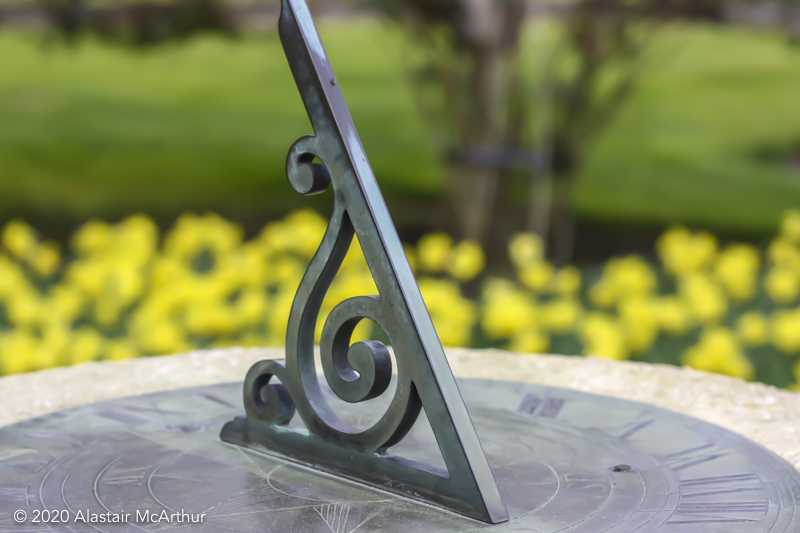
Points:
(123, 291)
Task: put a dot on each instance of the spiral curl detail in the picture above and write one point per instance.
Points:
(356, 373)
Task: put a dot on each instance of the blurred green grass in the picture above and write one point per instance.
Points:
(102, 131)
(706, 138)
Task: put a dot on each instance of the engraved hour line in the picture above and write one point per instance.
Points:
(53, 435)
(212, 398)
(550, 406)
(15, 494)
(334, 515)
(127, 476)
(152, 410)
(22, 464)
(704, 513)
(694, 512)
(125, 418)
(635, 429)
(711, 486)
(690, 457)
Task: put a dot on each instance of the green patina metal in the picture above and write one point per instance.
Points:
(364, 370)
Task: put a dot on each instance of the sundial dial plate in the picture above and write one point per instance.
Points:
(349, 450)
(564, 461)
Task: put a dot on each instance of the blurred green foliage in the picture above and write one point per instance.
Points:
(711, 136)
(706, 139)
(101, 131)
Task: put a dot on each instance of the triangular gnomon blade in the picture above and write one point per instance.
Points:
(362, 371)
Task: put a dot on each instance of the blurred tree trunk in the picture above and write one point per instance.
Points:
(464, 85)
(476, 93)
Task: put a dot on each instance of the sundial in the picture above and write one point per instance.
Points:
(361, 438)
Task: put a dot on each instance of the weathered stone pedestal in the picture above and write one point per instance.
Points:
(759, 412)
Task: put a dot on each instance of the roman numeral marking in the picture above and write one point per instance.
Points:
(693, 456)
(127, 476)
(550, 407)
(529, 404)
(711, 486)
(706, 513)
(691, 511)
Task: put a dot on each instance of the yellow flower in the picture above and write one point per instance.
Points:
(411, 256)
(567, 281)
(355, 260)
(683, 252)
(453, 315)
(623, 278)
(348, 284)
(561, 315)
(466, 260)
(160, 337)
(640, 317)
(120, 350)
(525, 248)
(790, 226)
(12, 279)
(718, 351)
(433, 252)
(673, 315)
(191, 235)
(56, 338)
(46, 259)
(507, 310)
(93, 237)
(753, 328)
(88, 275)
(252, 265)
(26, 309)
(536, 275)
(86, 345)
(783, 252)
(737, 269)
(19, 239)
(603, 337)
(136, 239)
(280, 305)
(306, 228)
(782, 284)
(250, 307)
(704, 297)
(529, 340)
(362, 331)
(785, 332)
(602, 294)
(17, 349)
(107, 311)
(213, 319)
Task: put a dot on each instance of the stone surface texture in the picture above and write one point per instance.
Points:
(762, 413)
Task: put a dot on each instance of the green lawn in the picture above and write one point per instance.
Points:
(100, 131)
(706, 137)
